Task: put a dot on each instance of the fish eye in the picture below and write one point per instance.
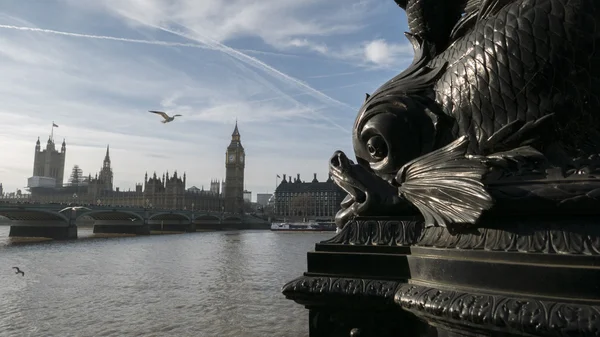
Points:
(377, 147)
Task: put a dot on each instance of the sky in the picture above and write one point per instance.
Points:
(293, 74)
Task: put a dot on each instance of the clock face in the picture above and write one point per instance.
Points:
(232, 158)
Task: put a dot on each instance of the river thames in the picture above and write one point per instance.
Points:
(222, 284)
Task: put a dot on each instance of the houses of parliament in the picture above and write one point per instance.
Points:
(167, 191)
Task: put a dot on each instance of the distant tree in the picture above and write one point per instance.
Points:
(76, 176)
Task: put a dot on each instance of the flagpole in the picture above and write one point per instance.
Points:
(52, 132)
(276, 181)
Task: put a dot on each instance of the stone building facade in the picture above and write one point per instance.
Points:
(296, 199)
(49, 162)
(105, 177)
(166, 191)
(234, 174)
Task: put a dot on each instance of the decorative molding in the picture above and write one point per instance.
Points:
(379, 233)
(499, 174)
(309, 285)
(575, 239)
(529, 316)
(521, 237)
(576, 193)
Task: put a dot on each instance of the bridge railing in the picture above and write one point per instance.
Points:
(57, 207)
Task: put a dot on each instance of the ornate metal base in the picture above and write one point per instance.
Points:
(490, 139)
(392, 277)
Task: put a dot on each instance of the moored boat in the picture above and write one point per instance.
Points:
(312, 226)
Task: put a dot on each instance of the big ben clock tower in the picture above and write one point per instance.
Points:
(234, 174)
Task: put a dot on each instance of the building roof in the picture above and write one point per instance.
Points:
(299, 186)
(236, 132)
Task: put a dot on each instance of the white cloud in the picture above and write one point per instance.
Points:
(286, 25)
(274, 21)
(182, 18)
(318, 47)
(380, 52)
(374, 53)
(99, 94)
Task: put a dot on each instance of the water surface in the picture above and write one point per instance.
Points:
(196, 284)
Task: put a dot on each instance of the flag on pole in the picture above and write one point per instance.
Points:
(278, 176)
(54, 125)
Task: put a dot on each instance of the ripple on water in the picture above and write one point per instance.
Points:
(222, 284)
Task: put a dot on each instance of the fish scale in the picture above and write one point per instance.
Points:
(521, 64)
(433, 19)
(414, 14)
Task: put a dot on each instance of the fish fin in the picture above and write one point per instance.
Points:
(401, 3)
(423, 52)
(499, 136)
(530, 131)
(515, 134)
(468, 4)
(446, 186)
(367, 96)
(463, 25)
(490, 7)
(418, 76)
(475, 11)
(472, 5)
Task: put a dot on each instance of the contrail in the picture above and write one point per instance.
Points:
(112, 38)
(203, 45)
(290, 97)
(214, 45)
(121, 39)
(335, 75)
(251, 61)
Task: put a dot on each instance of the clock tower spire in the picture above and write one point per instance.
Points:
(234, 174)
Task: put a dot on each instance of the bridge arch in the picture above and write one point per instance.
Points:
(207, 217)
(169, 216)
(36, 214)
(105, 214)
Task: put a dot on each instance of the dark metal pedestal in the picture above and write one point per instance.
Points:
(391, 277)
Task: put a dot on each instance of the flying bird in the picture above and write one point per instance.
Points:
(133, 219)
(19, 271)
(165, 116)
(76, 208)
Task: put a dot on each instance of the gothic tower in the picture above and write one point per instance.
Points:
(234, 174)
(106, 173)
(49, 162)
(215, 186)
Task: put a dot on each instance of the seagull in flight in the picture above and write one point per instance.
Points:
(165, 116)
(76, 208)
(19, 271)
(133, 219)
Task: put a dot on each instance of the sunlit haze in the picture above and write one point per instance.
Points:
(293, 74)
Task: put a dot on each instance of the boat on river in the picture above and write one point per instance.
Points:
(311, 226)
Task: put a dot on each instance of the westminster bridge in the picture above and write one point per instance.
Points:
(59, 222)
